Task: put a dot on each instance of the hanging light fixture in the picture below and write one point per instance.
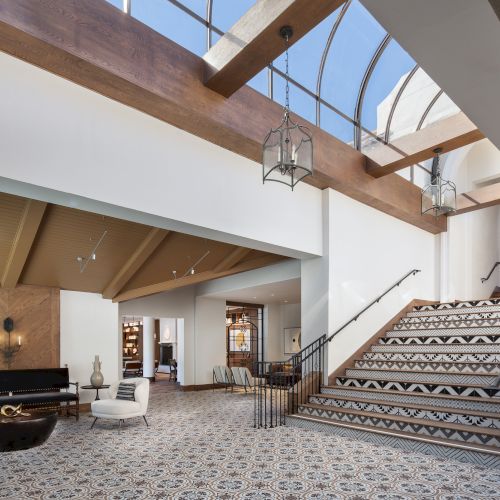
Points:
(440, 196)
(288, 150)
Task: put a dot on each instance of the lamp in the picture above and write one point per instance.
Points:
(440, 196)
(287, 152)
(9, 351)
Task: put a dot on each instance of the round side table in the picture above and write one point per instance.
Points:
(95, 388)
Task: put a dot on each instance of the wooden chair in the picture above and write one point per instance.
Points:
(173, 369)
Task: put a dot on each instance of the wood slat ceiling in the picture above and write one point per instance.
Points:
(11, 211)
(67, 233)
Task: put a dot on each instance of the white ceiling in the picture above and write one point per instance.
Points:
(282, 292)
(457, 42)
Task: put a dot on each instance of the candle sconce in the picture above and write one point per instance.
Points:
(10, 350)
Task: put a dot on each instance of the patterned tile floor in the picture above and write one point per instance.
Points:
(202, 445)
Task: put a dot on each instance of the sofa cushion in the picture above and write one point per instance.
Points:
(32, 398)
(115, 407)
(126, 391)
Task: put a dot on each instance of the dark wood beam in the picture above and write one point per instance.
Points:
(484, 197)
(448, 134)
(255, 41)
(193, 279)
(135, 261)
(23, 241)
(93, 44)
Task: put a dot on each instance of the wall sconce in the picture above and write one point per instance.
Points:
(9, 351)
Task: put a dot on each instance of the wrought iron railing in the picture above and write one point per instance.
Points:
(491, 272)
(282, 386)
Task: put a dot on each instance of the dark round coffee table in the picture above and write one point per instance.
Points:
(22, 433)
(96, 389)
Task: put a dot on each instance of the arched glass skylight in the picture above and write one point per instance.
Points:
(347, 75)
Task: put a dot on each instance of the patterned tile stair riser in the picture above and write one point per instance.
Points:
(433, 357)
(491, 405)
(441, 378)
(443, 451)
(426, 388)
(449, 317)
(492, 421)
(442, 348)
(478, 436)
(468, 305)
(490, 335)
(443, 312)
(432, 366)
(409, 329)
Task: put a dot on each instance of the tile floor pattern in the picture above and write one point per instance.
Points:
(201, 445)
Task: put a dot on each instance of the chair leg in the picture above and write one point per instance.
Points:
(120, 422)
(144, 417)
(93, 423)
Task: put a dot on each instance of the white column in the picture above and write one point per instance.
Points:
(148, 347)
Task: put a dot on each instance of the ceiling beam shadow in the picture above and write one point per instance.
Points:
(135, 262)
(26, 232)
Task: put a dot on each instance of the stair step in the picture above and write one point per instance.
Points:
(437, 377)
(438, 348)
(458, 305)
(416, 386)
(429, 366)
(442, 400)
(458, 357)
(458, 310)
(410, 410)
(455, 316)
(437, 329)
(441, 340)
(477, 331)
(444, 430)
(484, 456)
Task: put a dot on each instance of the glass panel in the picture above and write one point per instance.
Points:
(117, 3)
(443, 108)
(387, 77)
(300, 102)
(197, 6)
(305, 55)
(172, 22)
(226, 12)
(336, 125)
(413, 102)
(259, 82)
(352, 48)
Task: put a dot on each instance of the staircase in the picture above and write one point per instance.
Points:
(425, 386)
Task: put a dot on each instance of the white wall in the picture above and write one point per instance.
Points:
(367, 252)
(474, 246)
(277, 317)
(89, 326)
(89, 146)
(210, 337)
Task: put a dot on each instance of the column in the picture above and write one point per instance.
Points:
(148, 347)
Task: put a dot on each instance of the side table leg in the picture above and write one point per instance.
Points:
(97, 394)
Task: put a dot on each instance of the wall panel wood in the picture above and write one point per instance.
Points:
(35, 311)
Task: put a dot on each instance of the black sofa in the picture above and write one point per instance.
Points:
(39, 388)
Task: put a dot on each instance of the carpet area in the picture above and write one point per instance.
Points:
(201, 445)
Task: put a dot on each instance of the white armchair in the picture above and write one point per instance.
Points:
(120, 409)
(242, 377)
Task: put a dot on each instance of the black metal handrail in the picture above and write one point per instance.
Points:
(491, 272)
(281, 386)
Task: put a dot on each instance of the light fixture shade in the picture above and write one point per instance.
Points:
(439, 198)
(287, 153)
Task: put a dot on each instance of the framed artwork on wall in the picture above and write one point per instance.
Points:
(292, 340)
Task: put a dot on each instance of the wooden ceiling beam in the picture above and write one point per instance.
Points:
(232, 259)
(484, 197)
(140, 68)
(135, 261)
(194, 279)
(448, 134)
(254, 41)
(23, 241)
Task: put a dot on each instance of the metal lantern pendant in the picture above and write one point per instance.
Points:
(440, 196)
(288, 150)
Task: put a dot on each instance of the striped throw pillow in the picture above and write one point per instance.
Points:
(126, 391)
